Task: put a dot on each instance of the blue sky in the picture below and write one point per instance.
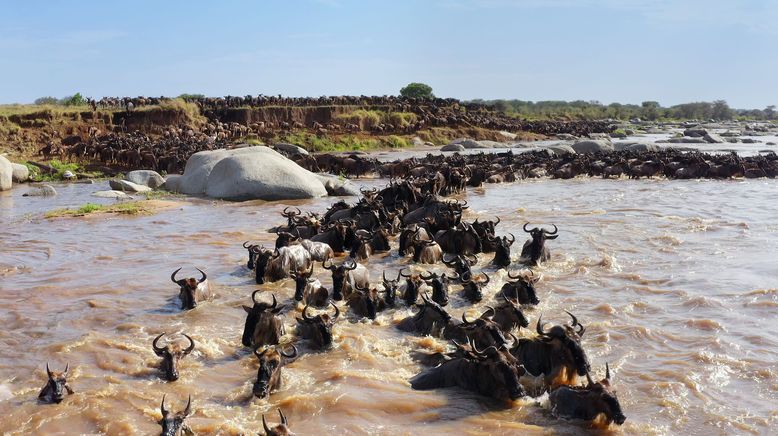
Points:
(628, 51)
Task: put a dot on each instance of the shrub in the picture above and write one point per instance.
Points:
(417, 90)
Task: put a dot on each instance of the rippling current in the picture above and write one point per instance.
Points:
(675, 281)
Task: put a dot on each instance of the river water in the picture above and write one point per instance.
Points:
(675, 280)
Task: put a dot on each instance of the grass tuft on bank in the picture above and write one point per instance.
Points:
(127, 208)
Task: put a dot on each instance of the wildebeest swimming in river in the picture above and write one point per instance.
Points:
(588, 402)
(56, 386)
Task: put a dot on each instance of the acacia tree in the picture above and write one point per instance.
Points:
(417, 90)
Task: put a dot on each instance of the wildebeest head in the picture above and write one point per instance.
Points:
(188, 289)
(285, 239)
(501, 368)
(508, 315)
(521, 288)
(390, 289)
(290, 215)
(502, 250)
(262, 326)
(252, 255)
(280, 429)
(588, 402)
(171, 354)
(431, 319)
(173, 423)
(261, 258)
(439, 284)
(473, 289)
(602, 398)
(269, 372)
(413, 283)
(301, 280)
(535, 249)
(461, 263)
(363, 302)
(318, 329)
(56, 386)
(484, 331)
(567, 339)
(339, 276)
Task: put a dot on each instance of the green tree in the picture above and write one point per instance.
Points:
(417, 90)
(722, 111)
(74, 100)
(769, 112)
(650, 110)
(46, 100)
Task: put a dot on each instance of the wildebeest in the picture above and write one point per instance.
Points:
(363, 302)
(192, 291)
(407, 237)
(280, 429)
(263, 326)
(507, 315)
(410, 289)
(276, 265)
(173, 423)
(428, 252)
(269, 373)
(433, 320)
(490, 372)
(171, 354)
(439, 284)
(346, 277)
(317, 329)
(483, 332)
(589, 402)
(535, 250)
(390, 290)
(520, 288)
(502, 250)
(472, 288)
(320, 251)
(556, 353)
(309, 290)
(456, 240)
(56, 386)
(461, 263)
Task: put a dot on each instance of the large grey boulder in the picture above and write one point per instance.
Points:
(172, 183)
(453, 147)
(20, 173)
(290, 148)
(149, 178)
(246, 174)
(118, 195)
(6, 174)
(124, 185)
(492, 144)
(41, 191)
(686, 140)
(592, 146)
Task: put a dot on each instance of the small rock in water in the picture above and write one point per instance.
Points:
(124, 185)
(41, 191)
(119, 195)
(68, 175)
(149, 178)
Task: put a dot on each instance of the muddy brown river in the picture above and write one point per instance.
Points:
(676, 281)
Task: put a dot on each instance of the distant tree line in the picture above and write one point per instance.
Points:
(72, 100)
(648, 110)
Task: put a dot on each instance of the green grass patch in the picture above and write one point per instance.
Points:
(126, 208)
(312, 142)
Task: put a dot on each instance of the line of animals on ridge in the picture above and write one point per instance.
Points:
(431, 229)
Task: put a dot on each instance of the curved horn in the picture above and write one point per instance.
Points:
(383, 275)
(264, 424)
(188, 408)
(525, 228)
(191, 346)
(48, 371)
(154, 346)
(575, 320)
(556, 230)
(290, 356)
(204, 277)
(352, 265)
(464, 319)
(337, 311)
(489, 309)
(476, 351)
(305, 313)
(162, 407)
(498, 220)
(539, 326)
(67, 367)
(589, 379)
(246, 246)
(607, 372)
(403, 275)
(487, 278)
(298, 211)
(173, 276)
(330, 267)
(513, 238)
(275, 303)
(254, 296)
(517, 276)
(283, 418)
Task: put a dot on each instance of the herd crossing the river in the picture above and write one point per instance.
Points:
(409, 218)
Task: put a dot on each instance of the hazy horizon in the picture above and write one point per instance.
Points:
(605, 50)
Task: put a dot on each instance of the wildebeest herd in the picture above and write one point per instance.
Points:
(408, 218)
